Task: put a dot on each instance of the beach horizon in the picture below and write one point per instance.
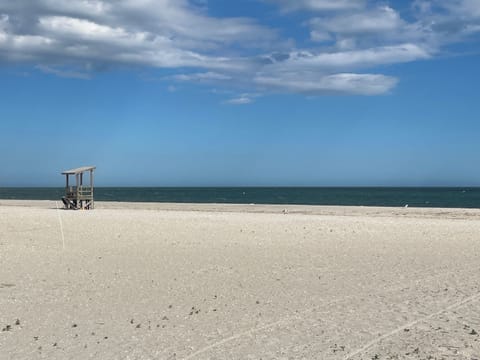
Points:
(421, 197)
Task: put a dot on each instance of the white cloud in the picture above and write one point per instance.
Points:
(314, 84)
(240, 100)
(77, 37)
(125, 34)
(319, 5)
(446, 22)
(4, 23)
(205, 76)
(346, 43)
(469, 8)
(378, 20)
(78, 7)
(64, 73)
(189, 24)
(21, 47)
(422, 6)
(164, 33)
(320, 35)
(353, 59)
(81, 29)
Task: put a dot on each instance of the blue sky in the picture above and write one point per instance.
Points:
(253, 92)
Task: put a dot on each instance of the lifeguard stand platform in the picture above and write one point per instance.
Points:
(80, 196)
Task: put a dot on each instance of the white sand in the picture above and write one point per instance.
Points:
(238, 282)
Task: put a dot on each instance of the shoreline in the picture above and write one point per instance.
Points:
(285, 209)
(421, 197)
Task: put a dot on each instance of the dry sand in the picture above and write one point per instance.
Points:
(169, 281)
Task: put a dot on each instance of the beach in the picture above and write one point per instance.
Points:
(207, 281)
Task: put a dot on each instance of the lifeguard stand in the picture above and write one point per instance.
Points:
(79, 196)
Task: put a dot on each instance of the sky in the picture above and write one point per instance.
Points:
(241, 93)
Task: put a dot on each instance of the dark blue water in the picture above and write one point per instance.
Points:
(368, 196)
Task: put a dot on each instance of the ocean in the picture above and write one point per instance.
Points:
(350, 196)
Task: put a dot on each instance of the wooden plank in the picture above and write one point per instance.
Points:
(78, 170)
(91, 185)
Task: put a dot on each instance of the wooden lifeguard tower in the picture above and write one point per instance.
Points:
(79, 196)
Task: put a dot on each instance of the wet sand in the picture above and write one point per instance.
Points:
(185, 281)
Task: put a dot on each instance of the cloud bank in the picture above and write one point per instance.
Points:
(346, 46)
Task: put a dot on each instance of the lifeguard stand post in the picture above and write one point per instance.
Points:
(79, 196)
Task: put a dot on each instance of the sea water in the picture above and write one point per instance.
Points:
(352, 196)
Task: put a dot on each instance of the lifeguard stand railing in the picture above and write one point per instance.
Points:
(79, 196)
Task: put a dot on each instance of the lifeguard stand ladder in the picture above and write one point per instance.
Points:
(80, 196)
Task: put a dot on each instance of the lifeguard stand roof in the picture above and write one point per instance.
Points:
(78, 170)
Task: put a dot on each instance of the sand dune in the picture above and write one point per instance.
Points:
(172, 281)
